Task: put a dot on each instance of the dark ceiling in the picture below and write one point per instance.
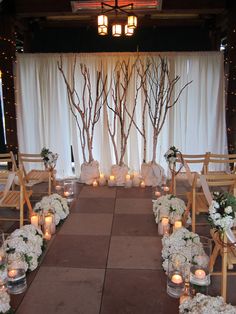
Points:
(50, 25)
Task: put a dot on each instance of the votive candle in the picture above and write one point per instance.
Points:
(34, 219)
(95, 183)
(47, 235)
(142, 184)
(177, 279)
(200, 274)
(177, 224)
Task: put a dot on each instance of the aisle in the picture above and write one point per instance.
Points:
(105, 259)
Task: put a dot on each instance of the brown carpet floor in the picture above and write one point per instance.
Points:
(104, 259)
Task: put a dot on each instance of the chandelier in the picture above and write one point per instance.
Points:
(117, 25)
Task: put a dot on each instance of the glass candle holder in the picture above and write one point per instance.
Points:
(102, 179)
(111, 181)
(34, 219)
(163, 226)
(49, 221)
(136, 179)
(69, 189)
(199, 270)
(176, 273)
(47, 234)
(16, 278)
(59, 186)
(128, 181)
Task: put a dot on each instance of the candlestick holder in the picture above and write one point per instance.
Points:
(176, 274)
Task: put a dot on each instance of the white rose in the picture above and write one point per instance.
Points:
(228, 209)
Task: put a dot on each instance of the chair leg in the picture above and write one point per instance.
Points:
(224, 270)
(49, 183)
(21, 207)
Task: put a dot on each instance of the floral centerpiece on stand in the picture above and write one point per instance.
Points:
(54, 202)
(49, 158)
(181, 241)
(205, 304)
(171, 155)
(27, 240)
(169, 206)
(222, 211)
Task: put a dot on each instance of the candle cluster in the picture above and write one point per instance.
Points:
(46, 222)
(130, 180)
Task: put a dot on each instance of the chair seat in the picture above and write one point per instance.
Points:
(38, 175)
(12, 199)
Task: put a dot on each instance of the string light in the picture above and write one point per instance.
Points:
(7, 59)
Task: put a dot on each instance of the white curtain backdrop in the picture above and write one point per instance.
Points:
(195, 125)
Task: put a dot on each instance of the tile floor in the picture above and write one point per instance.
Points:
(104, 259)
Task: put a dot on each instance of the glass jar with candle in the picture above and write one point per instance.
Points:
(34, 219)
(199, 271)
(59, 186)
(176, 274)
(49, 221)
(102, 179)
(69, 189)
(16, 278)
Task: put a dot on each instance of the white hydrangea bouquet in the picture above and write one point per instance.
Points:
(222, 211)
(205, 304)
(5, 302)
(49, 158)
(27, 240)
(181, 241)
(54, 202)
(169, 206)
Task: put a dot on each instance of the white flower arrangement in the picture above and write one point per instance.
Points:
(4, 302)
(169, 206)
(222, 211)
(27, 240)
(181, 241)
(49, 158)
(55, 202)
(171, 155)
(205, 304)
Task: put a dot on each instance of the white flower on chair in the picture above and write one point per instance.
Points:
(222, 211)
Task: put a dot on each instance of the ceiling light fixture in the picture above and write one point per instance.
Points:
(117, 27)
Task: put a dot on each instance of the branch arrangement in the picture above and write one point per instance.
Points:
(149, 81)
(85, 107)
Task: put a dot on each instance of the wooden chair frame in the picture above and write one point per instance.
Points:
(228, 159)
(17, 199)
(38, 176)
(9, 159)
(187, 160)
(198, 201)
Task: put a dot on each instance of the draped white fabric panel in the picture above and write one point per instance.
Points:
(195, 125)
